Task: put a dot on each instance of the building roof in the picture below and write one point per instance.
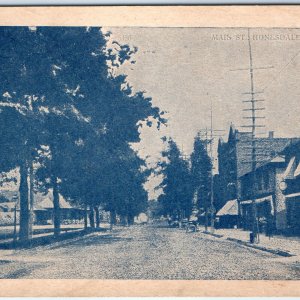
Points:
(292, 169)
(229, 209)
(41, 202)
(266, 150)
(239, 145)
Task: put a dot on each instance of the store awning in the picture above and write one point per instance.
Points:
(229, 209)
(278, 159)
(261, 200)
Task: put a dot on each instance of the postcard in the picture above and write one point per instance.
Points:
(149, 151)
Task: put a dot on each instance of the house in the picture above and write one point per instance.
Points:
(43, 209)
(8, 201)
(274, 187)
(234, 162)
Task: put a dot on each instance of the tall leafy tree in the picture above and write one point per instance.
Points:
(176, 184)
(201, 168)
(62, 104)
(113, 112)
(42, 110)
(25, 89)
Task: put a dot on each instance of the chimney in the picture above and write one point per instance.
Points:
(271, 134)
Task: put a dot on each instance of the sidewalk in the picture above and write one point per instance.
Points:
(7, 232)
(43, 235)
(285, 246)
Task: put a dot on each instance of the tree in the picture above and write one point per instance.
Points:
(63, 107)
(177, 197)
(22, 76)
(31, 99)
(113, 112)
(201, 168)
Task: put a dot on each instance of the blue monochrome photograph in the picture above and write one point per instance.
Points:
(162, 153)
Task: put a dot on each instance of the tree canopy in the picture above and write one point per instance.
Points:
(176, 199)
(63, 110)
(200, 172)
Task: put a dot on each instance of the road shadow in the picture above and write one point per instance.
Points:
(10, 235)
(94, 240)
(47, 240)
(17, 274)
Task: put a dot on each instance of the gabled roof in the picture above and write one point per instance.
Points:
(229, 209)
(267, 149)
(41, 202)
(46, 201)
(280, 149)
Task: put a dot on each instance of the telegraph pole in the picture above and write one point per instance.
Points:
(213, 134)
(255, 230)
(253, 126)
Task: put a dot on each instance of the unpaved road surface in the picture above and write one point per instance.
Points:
(146, 252)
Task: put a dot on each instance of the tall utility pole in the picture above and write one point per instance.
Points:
(253, 102)
(213, 134)
(253, 126)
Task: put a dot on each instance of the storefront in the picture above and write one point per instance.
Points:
(264, 212)
(293, 212)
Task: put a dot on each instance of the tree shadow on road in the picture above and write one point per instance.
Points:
(92, 241)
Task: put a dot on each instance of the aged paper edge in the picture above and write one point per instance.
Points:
(150, 16)
(147, 288)
(153, 16)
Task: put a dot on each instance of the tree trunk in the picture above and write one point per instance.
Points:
(123, 220)
(85, 216)
(56, 207)
(24, 233)
(92, 217)
(206, 218)
(31, 200)
(112, 219)
(130, 220)
(97, 216)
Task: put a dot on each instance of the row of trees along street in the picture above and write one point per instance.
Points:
(184, 180)
(67, 121)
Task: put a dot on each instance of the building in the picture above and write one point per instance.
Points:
(275, 187)
(43, 209)
(234, 162)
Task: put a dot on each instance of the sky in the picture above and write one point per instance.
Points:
(188, 70)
